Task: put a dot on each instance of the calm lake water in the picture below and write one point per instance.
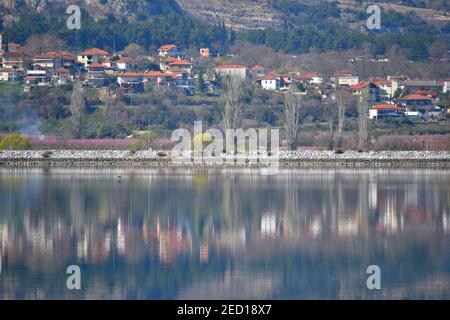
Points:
(224, 234)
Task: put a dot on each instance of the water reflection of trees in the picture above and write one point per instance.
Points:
(310, 232)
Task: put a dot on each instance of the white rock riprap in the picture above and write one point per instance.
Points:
(286, 158)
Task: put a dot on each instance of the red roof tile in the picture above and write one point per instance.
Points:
(95, 52)
(233, 66)
(131, 74)
(96, 65)
(167, 47)
(413, 97)
(180, 63)
(361, 85)
(385, 106)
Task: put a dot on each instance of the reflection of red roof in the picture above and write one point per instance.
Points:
(95, 52)
(6, 70)
(413, 97)
(417, 214)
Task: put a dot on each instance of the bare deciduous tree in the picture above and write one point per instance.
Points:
(329, 114)
(292, 107)
(363, 120)
(232, 115)
(77, 106)
(341, 107)
(40, 43)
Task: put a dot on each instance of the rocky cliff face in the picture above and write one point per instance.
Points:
(240, 14)
(96, 8)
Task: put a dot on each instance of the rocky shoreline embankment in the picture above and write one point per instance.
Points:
(120, 158)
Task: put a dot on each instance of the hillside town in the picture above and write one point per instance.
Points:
(393, 96)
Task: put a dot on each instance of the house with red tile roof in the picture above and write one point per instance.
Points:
(385, 110)
(258, 72)
(375, 92)
(93, 55)
(415, 102)
(234, 70)
(16, 60)
(181, 64)
(97, 74)
(209, 53)
(9, 75)
(169, 50)
(274, 82)
(164, 63)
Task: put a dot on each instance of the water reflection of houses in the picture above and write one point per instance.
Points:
(310, 211)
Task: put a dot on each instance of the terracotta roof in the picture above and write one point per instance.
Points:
(180, 63)
(385, 106)
(167, 47)
(412, 97)
(95, 52)
(96, 65)
(426, 93)
(131, 74)
(382, 82)
(122, 60)
(168, 59)
(361, 85)
(232, 66)
(155, 74)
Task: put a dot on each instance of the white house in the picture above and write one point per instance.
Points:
(9, 75)
(237, 71)
(270, 82)
(130, 78)
(446, 85)
(385, 110)
(123, 64)
(92, 56)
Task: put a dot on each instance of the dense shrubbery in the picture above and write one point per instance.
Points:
(15, 142)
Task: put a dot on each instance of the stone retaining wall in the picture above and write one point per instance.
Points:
(117, 158)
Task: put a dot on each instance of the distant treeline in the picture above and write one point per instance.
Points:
(109, 32)
(320, 31)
